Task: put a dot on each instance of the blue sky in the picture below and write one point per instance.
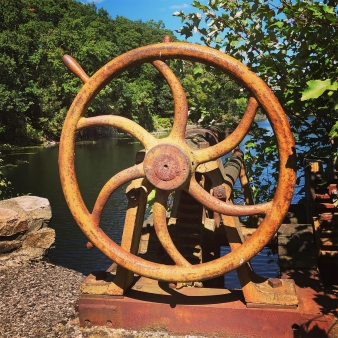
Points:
(146, 10)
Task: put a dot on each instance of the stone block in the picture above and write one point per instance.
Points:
(9, 246)
(24, 234)
(12, 222)
(42, 238)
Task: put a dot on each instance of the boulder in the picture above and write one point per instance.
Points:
(43, 238)
(24, 232)
(11, 222)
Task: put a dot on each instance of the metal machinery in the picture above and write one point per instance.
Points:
(321, 184)
(167, 273)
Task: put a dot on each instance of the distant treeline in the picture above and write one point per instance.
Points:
(36, 89)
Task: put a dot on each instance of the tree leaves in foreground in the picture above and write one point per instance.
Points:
(293, 46)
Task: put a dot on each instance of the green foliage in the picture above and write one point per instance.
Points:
(36, 89)
(317, 87)
(213, 97)
(5, 185)
(293, 46)
(162, 123)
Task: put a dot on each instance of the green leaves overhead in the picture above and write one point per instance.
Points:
(317, 88)
(293, 46)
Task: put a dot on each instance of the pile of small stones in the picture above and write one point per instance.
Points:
(39, 300)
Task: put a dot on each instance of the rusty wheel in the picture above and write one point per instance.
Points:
(170, 163)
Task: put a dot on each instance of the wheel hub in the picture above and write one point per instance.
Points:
(166, 166)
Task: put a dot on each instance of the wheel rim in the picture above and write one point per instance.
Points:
(274, 210)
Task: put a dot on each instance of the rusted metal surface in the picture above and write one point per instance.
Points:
(257, 291)
(220, 192)
(152, 305)
(322, 209)
(275, 282)
(75, 68)
(170, 172)
(137, 193)
(166, 166)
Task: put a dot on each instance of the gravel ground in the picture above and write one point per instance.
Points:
(39, 300)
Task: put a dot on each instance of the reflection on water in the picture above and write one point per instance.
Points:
(95, 164)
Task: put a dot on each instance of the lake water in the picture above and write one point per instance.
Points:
(37, 174)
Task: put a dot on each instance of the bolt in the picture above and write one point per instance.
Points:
(90, 245)
(172, 285)
(219, 192)
(275, 282)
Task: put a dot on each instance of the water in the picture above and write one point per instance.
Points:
(38, 174)
(95, 164)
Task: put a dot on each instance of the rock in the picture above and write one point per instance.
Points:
(42, 238)
(9, 246)
(24, 232)
(37, 207)
(21, 257)
(11, 222)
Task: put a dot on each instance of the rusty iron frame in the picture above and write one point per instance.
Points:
(153, 306)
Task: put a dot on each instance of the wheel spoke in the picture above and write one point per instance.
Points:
(274, 211)
(115, 182)
(233, 140)
(161, 228)
(180, 100)
(75, 68)
(120, 122)
(211, 202)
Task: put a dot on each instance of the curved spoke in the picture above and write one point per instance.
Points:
(274, 211)
(120, 122)
(161, 228)
(115, 182)
(233, 140)
(211, 202)
(180, 100)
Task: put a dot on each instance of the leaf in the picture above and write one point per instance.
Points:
(198, 70)
(334, 131)
(328, 9)
(317, 88)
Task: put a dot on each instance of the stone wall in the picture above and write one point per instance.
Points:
(24, 232)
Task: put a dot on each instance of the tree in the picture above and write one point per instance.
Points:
(36, 89)
(289, 44)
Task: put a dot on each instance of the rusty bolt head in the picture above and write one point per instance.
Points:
(90, 245)
(275, 282)
(333, 190)
(219, 192)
